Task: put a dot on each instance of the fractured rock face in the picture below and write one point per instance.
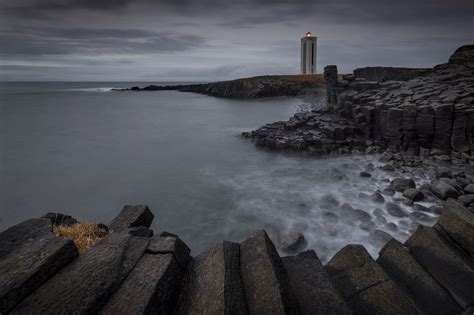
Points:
(421, 112)
(30, 254)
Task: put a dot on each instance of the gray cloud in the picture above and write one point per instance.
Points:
(93, 41)
(216, 39)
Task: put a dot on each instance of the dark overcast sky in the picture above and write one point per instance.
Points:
(185, 40)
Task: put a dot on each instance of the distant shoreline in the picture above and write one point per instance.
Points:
(254, 87)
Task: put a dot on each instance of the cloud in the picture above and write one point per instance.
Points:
(49, 41)
(225, 38)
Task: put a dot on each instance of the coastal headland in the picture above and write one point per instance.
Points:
(254, 87)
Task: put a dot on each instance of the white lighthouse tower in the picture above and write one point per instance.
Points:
(308, 54)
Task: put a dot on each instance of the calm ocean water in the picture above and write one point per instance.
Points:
(79, 148)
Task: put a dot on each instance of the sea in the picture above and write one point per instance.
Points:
(82, 149)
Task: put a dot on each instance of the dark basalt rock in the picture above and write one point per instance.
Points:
(401, 184)
(377, 197)
(425, 113)
(213, 283)
(265, 279)
(427, 295)
(140, 231)
(444, 262)
(469, 189)
(413, 194)
(382, 74)
(464, 55)
(293, 242)
(254, 87)
(364, 285)
(167, 243)
(30, 255)
(458, 222)
(152, 287)
(395, 210)
(314, 290)
(443, 190)
(60, 219)
(132, 216)
(85, 285)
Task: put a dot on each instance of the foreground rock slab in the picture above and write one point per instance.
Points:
(85, 285)
(213, 283)
(152, 287)
(428, 296)
(364, 285)
(444, 262)
(266, 283)
(30, 255)
(132, 216)
(314, 290)
(458, 222)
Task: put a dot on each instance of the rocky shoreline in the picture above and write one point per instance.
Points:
(254, 87)
(133, 270)
(421, 125)
(428, 116)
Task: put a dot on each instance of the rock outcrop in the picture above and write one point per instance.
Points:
(432, 273)
(428, 116)
(382, 74)
(254, 87)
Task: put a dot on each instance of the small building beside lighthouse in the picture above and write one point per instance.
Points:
(308, 54)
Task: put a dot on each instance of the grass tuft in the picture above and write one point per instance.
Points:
(84, 235)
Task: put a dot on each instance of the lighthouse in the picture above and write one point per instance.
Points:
(308, 54)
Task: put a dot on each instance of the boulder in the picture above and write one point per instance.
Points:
(377, 197)
(444, 262)
(469, 189)
(443, 190)
(213, 284)
(266, 283)
(86, 284)
(413, 194)
(60, 219)
(315, 292)
(360, 215)
(365, 174)
(364, 285)
(401, 184)
(458, 222)
(466, 200)
(427, 295)
(293, 242)
(167, 243)
(395, 210)
(152, 287)
(30, 254)
(132, 216)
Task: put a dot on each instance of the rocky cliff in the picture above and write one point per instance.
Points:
(132, 271)
(390, 73)
(427, 116)
(255, 87)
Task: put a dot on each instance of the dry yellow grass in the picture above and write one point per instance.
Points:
(84, 235)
